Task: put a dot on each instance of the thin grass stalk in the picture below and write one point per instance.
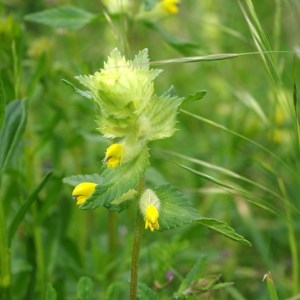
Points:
(271, 286)
(222, 127)
(39, 255)
(137, 239)
(292, 239)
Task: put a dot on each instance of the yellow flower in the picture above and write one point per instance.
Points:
(149, 206)
(83, 191)
(113, 155)
(151, 218)
(170, 6)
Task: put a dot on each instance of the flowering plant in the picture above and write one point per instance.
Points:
(131, 114)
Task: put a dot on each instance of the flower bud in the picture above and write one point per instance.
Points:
(83, 191)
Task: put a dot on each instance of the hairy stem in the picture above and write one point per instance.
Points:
(138, 232)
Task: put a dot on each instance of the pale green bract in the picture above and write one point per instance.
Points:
(128, 106)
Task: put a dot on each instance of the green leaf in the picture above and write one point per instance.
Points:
(195, 273)
(145, 292)
(175, 209)
(11, 131)
(170, 92)
(182, 46)
(117, 182)
(77, 179)
(115, 291)
(195, 97)
(2, 103)
(86, 94)
(271, 286)
(67, 17)
(222, 228)
(50, 293)
(25, 207)
(162, 113)
(149, 4)
(85, 288)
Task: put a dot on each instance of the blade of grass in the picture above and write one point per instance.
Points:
(222, 127)
(262, 44)
(25, 207)
(292, 238)
(234, 189)
(271, 286)
(222, 171)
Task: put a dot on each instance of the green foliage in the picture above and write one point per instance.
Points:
(234, 158)
(67, 17)
(117, 182)
(76, 179)
(196, 272)
(85, 289)
(25, 207)
(271, 286)
(2, 103)
(11, 131)
(50, 293)
(144, 292)
(176, 210)
(224, 229)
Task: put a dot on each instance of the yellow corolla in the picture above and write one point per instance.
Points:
(151, 218)
(113, 155)
(170, 6)
(83, 191)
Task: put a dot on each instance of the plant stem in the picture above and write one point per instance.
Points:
(5, 277)
(138, 232)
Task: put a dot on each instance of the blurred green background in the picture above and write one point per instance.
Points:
(246, 124)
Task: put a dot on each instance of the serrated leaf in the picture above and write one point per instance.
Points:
(11, 131)
(195, 97)
(85, 288)
(67, 17)
(222, 228)
(195, 273)
(175, 209)
(170, 92)
(145, 292)
(162, 116)
(77, 179)
(86, 94)
(118, 181)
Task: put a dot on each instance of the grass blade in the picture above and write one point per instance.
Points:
(11, 131)
(25, 207)
(271, 286)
